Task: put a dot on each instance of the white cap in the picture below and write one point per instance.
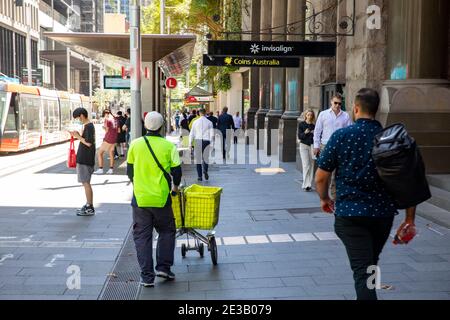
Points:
(154, 121)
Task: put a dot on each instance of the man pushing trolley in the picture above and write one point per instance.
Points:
(150, 159)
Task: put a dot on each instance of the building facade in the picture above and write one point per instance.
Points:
(16, 24)
(54, 65)
(400, 48)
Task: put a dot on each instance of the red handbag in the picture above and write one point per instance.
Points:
(72, 157)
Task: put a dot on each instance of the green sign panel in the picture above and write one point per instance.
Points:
(116, 83)
(36, 76)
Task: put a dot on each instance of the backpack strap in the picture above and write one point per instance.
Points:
(166, 174)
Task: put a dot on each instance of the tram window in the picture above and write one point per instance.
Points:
(51, 115)
(30, 119)
(66, 114)
(11, 123)
(2, 105)
(11, 118)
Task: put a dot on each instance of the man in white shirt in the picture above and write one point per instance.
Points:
(328, 123)
(202, 133)
(237, 124)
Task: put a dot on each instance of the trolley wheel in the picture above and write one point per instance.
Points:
(183, 250)
(213, 250)
(201, 250)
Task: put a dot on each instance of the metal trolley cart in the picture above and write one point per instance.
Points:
(197, 208)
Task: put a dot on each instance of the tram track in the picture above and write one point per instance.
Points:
(37, 160)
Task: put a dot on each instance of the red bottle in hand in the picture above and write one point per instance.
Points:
(406, 234)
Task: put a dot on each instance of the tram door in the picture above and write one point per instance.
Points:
(9, 133)
(30, 122)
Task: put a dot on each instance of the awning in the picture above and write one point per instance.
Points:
(172, 52)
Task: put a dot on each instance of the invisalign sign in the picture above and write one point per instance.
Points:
(273, 49)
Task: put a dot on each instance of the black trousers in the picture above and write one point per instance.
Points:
(144, 220)
(364, 239)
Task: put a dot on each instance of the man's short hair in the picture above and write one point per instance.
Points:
(119, 113)
(202, 111)
(129, 111)
(80, 111)
(225, 109)
(337, 96)
(194, 112)
(368, 100)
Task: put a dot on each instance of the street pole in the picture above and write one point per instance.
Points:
(29, 63)
(162, 16)
(135, 64)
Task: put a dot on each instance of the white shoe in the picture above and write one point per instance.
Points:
(99, 171)
(110, 171)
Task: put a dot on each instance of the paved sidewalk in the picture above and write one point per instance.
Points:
(275, 244)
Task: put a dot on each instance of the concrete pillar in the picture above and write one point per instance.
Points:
(277, 75)
(147, 89)
(68, 69)
(90, 84)
(254, 73)
(294, 86)
(264, 80)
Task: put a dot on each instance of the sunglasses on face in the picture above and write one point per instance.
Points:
(338, 103)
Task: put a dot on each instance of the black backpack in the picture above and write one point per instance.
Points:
(400, 166)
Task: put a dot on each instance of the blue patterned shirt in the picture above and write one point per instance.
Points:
(360, 191)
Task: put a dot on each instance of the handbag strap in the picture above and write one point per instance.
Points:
(166, 174)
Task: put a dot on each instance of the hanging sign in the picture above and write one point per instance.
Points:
(250, 62)
(271, 48)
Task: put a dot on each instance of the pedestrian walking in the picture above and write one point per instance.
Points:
(109, 142)
(224, 124)
(210, 116)
(126, 127)
(184, 121)
(85, 159)
(364, 210)
(153, 162)
(237, 125)
(202, 133)
(191, 117)
(327, 123)
(306, 137)
(177, 120)
(121, 136)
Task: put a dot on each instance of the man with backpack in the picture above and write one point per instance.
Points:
(364, 210)
(152, 163)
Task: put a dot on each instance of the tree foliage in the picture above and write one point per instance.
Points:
(212, 18)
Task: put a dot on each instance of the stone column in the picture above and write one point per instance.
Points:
(254, 73)
(278, 75)
(294, 86)
(264, 80)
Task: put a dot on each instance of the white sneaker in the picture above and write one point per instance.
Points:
(110, 171)
(99, 171)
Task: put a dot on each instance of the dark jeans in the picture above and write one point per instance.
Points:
(201, 157)
(364, 239)
(225, 144)
(144, 220)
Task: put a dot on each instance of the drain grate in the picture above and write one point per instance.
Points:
(123, 281)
